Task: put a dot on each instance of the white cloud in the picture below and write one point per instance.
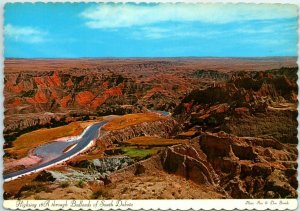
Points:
(127, 15)
(24, 34)
(151, 32)
(270, 28)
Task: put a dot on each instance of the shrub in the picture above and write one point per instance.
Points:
(64, 184)
(102, 193)
(80, 184)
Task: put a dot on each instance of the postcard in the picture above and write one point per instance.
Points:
(156, 105)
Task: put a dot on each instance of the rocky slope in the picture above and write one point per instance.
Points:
(163, 128)
(102, 87)
(249, 104)
(239, 128)
(238, 167)
(32, 98)
(256, 156)
(97, 169)
(185, 161)
(251, 167)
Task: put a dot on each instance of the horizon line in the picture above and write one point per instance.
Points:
(154, 57)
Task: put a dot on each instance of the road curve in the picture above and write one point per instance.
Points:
(86, 139)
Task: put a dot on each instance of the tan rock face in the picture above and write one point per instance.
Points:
(243, 167)
(239, 167)
(185, 161)
(248, 104)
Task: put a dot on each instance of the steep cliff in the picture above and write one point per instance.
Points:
(242, 167)
(248, 104)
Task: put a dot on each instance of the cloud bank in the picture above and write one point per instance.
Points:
(127, 15)
(24, 34)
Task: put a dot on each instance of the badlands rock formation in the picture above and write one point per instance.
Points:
(236, 122)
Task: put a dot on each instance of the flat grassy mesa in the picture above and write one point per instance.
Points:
(132, 119)
(26, 142)
(138, 153)
(154, 141)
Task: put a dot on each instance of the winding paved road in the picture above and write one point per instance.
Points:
(89, 135)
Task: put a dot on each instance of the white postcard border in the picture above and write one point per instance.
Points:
(206, 204)
(195, 204)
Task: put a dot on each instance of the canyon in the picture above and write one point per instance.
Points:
(229, 129)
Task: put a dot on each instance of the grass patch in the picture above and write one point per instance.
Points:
(131, 119)
(154, 141)
(80, 184)
(101, 193)
(137, 153)
(26, 142)
(64, 184)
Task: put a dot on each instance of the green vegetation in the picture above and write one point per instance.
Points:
(139, 153)
(64, 184)
(80, 184)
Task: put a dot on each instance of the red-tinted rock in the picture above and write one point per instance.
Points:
(84, 98)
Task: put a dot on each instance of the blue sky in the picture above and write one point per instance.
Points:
(56, 30)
